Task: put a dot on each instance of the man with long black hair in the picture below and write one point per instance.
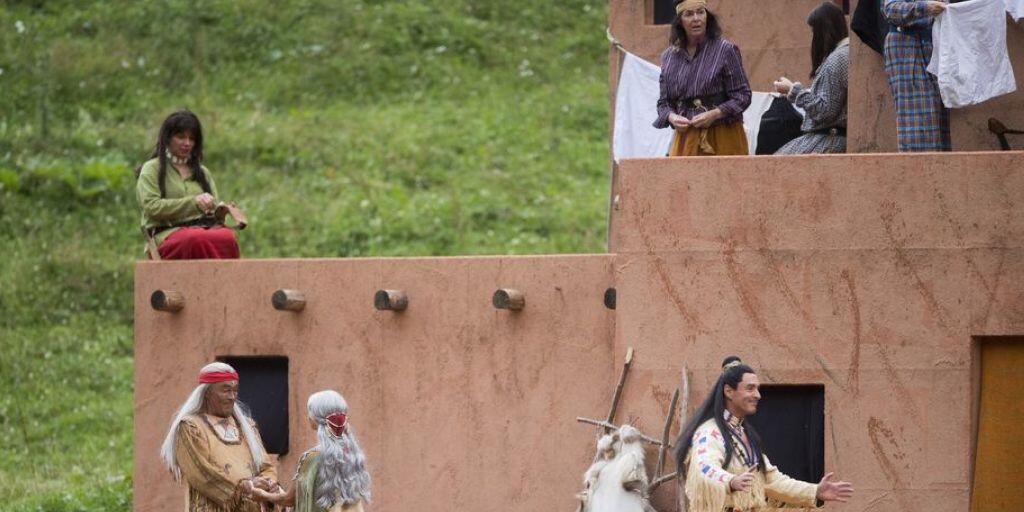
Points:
(723, 458)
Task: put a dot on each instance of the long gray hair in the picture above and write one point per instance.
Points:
(193, 405)
(342, 474)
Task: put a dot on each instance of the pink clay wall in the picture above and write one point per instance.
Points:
(458, 405)
(869, 274)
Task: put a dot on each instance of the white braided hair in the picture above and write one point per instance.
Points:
(193, 404)
(342, 475)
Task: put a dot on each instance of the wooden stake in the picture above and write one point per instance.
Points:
(685, 386)
(608, 427)
(660, 480)
(288, 300)
(618, 390)
(664, 434)
(167, 300)
(390, 300)
(507, 298)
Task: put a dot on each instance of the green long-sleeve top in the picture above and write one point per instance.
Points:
(177, 206)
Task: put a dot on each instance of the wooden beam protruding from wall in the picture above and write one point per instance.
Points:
(390, 300)
(288, 300)
(507, 298)
(169, 301)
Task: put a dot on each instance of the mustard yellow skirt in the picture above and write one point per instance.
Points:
(720, 139)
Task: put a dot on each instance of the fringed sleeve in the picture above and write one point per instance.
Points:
(783, 490)
(707, 483)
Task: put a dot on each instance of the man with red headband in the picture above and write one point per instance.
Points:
(216, 446)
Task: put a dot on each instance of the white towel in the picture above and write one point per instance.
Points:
(969, 55)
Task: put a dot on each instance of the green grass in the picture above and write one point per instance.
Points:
(354, 128)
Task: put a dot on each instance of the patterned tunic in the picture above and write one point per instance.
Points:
(922, 122)
(715, 68)
(824, 104)
(213, 466)
(707, 482)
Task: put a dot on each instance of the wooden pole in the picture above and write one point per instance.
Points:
(664, 433)
(508, 298)
(618, 390)
(683, 408)
(288, 300)
(390, 300)
(169, 301)
(609, 427)
(660, 480)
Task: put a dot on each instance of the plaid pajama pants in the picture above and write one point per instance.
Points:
(922, 122)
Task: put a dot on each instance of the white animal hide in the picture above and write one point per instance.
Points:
(608, 492)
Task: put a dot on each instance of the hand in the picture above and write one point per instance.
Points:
(833, 491)
(678, 121)
(205, 202)
(704, 119)
(934, 8)
(246, 487)
(743, 482)
(264, 483)
(783, 85)
(261, 495)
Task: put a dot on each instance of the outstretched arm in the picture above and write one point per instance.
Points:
(781, 488)
(829, 490)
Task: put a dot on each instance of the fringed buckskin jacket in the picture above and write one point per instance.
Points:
(707, 482)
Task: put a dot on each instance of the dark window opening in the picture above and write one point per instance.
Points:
(664, 11)
(791, 421)
(263, 388)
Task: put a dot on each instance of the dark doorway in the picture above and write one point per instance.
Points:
(263, 387)
(664, 11)
(791, 421)
(998, 450)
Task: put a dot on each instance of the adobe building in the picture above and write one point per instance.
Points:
(879, 296)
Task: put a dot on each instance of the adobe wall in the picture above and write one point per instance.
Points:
(774, 40)
(868, 274)
(459, 406)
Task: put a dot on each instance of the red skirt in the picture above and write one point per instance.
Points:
(197, 243)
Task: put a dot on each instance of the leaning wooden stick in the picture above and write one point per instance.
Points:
(680, 471)
(657, 482)
(618, 391)
(664, 434)
(609, 427)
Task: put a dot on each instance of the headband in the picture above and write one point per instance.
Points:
(732, 364)
(687, 5)
(211, 377)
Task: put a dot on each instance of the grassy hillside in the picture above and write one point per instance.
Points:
(352, 128)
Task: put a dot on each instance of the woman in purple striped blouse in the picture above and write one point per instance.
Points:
(704, 89)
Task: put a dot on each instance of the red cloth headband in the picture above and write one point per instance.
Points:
(211, 377)
(337, 422)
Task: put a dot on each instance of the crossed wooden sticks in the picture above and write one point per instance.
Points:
(663, 445)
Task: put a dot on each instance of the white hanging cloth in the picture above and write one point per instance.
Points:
(969, 55)
(760, 102)
(636, 107)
